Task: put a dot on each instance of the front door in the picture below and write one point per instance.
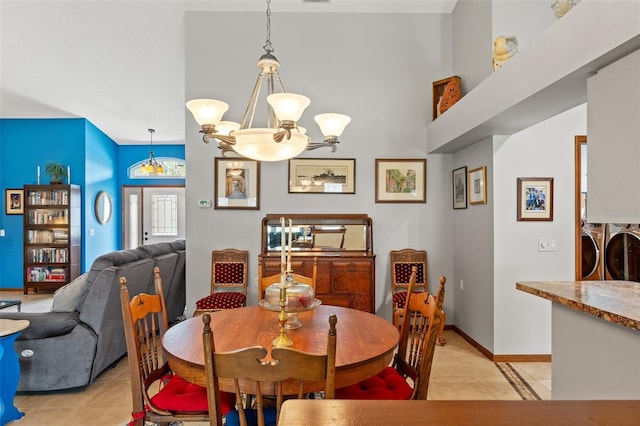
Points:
(153, 214)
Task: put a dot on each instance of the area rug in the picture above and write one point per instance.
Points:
(521, 386)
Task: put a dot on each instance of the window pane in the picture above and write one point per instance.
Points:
(164, 215)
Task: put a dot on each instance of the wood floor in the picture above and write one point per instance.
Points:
(460, 372)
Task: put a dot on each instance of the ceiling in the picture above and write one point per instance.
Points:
(120, 64)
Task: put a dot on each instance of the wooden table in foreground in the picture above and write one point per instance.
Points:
(365, 346)
(348, 412)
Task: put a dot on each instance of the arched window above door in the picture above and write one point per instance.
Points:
(174, 168)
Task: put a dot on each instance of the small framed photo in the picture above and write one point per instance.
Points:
(477, 186)
(14, 201)
(401, 180)
(459, 188)
(237, 184)
(535, 199)
(322, 176)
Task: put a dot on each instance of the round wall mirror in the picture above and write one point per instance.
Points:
(103, 207)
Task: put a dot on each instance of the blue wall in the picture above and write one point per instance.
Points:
(97, 164)
(101, 169)
(26, 144)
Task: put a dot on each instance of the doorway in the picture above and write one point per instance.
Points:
(152, 214)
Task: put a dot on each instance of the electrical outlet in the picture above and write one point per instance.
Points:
(461, 284)
(1, 232)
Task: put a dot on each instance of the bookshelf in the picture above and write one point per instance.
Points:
(51, 236)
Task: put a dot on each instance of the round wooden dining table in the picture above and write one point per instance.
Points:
(365, 342)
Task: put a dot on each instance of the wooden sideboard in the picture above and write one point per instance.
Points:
(345, 265)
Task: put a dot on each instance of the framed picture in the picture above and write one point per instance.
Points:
(459, 188)
(322, 176)
(401, 180)
(535, 199)
(14, 201)
(477, 186)
(237, 184)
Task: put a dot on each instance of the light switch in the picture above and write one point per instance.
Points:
(547, 244)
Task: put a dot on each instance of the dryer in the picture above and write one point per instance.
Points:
(622, 252)
(593, 235)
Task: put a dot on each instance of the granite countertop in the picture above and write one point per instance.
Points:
(614, 301)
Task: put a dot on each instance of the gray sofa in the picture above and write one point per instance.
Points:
(62, 350)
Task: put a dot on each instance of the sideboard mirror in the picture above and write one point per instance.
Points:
(318, 233)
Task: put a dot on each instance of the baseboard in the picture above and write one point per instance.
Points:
(500, 358)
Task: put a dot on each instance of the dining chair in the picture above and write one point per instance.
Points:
(228, 281)
(254, 369)
(145, 322)
(418, 332)
(401, 263)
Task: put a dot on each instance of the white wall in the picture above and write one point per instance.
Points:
(377, 68)
(522, 322)
(472, 42)
(473, 252)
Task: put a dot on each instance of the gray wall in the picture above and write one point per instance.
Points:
(377, 68)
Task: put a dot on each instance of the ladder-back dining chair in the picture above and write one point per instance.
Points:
(229, 272)
(145, 322)
(252, 365)
(401, 263)
(418, 332)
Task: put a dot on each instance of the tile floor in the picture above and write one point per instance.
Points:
(459, 372)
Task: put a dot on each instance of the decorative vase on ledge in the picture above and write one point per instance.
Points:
(560, 7)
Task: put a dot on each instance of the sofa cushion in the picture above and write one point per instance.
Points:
(70, 297)
(45, 324)
(115, 258)
(157, 249)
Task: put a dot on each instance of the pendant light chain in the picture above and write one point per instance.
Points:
(268, 48)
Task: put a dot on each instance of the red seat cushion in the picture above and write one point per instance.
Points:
(178, 395)
(222, 300)
(388, 384)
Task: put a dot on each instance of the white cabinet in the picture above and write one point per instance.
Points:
(613, 128)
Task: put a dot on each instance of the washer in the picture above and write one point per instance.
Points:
(592, 253)
(622, 252)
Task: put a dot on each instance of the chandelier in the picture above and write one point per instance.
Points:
(282, 138)
(152, 165)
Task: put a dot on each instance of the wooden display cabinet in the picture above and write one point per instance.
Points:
(342, 246)
(51, 236)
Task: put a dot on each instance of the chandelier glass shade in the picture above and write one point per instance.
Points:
(151, 165)
(281, 138)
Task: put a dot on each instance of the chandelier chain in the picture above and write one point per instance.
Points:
(268, 48)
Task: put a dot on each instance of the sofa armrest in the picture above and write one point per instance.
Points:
(45, 324)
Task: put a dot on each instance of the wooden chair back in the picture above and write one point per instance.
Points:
(229, 270)
(145, 322)
(253, 365)
(264, 282)
(418, 333)
(402, 262)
